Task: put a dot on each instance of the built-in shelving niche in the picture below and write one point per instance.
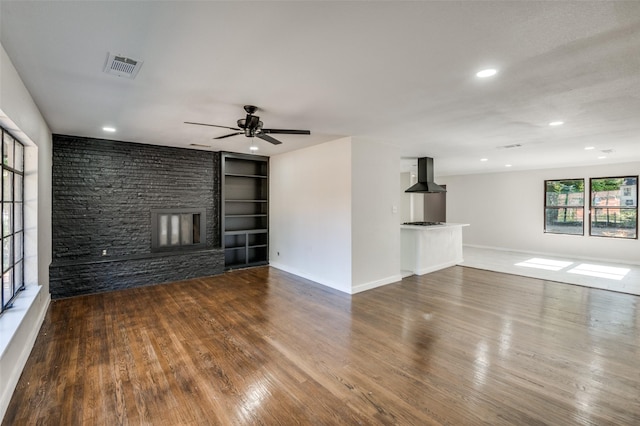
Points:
(245, 209)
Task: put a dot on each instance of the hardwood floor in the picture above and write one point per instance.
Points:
(460, 346)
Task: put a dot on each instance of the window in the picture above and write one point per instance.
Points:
(564, 206)
(177, 229)
(12, 219)
(614, 207)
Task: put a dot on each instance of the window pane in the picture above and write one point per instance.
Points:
(12, 213)
(629, 192)
(19, 157)
(17, 190)
(17, 252)
(564, 220)
(7, 219)
(605, 192)
(7, 285)
(186, 222)
(175, 229)
(7, 255)
(7, 293)
(17, 219)
(565, 192)
(163, 235)
(614, 222)
(19, 275)
(614, 207)
(7, 185)
(7, 150)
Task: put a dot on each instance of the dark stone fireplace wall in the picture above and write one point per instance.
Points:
(103, 194)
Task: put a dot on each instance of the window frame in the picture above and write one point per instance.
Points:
(155, 229)
(547, 207)
(592, 208)
(15, 264)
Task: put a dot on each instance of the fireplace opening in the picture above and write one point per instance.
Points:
(177, 229)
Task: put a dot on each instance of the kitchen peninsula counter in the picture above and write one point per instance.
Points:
(427, 249)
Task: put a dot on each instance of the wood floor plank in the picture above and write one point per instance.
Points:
(261, 346)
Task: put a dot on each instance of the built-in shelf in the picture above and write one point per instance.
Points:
(246, 231)
(246, 176)
(245, 221)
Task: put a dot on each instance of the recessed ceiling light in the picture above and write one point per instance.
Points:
(253, 148)
(589, 148)
(602, 157)
(484, 159)
(487, 73)
(507, 165)
(556, 123)
(109, 129)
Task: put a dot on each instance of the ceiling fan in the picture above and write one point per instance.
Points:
(251, 126)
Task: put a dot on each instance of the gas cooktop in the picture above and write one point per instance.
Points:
(423, 223)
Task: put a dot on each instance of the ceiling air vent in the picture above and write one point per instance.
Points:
(122, 66)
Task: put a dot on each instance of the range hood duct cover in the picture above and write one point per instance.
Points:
(425, 177)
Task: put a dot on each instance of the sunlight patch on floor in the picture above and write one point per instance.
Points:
(548, 264)
(600, 271)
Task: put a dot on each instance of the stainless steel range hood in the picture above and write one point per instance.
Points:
(425, 177)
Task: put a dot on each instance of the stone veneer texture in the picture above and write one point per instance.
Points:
(103, 194)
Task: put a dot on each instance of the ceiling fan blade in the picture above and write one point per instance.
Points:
(229, 135)
(286, 131)
(269, 139)
(211, 125)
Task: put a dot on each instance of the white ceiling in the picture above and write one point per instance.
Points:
(402, 73)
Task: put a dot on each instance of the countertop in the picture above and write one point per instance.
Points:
(433, 227)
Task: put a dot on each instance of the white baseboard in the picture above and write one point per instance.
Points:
(357, 289)
(378, 283)
(319, 280)
(438, 267)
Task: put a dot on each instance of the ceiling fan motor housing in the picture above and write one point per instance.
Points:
(251, 126)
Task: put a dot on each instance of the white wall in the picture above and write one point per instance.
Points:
(412, 204)
(310, 213)
(19, 326)
(375, 206)
(334, 212)
(406, 213)
(506, 211)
